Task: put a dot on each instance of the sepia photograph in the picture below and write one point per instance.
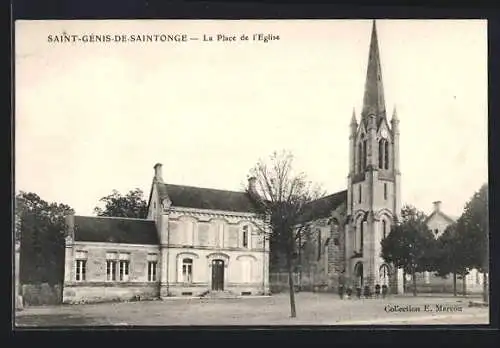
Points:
(250, 173)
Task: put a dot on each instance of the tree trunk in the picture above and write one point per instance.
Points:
(485, 288)
(293, 312)
(464, 283)
(300, 261)
(404, 281)
(414, 276)
(454, 283)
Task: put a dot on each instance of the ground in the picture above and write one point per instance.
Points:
(312, 309)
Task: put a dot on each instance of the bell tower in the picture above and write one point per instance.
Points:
(373, 204)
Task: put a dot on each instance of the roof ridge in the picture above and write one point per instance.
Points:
(112, 217)
(329, 196)
(204, 188)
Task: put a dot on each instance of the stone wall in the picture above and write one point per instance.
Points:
(445, 285)
(106, 292)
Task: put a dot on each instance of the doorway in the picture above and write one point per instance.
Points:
(358, 274)
(218, 275)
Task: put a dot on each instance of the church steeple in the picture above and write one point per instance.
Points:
(373, 100)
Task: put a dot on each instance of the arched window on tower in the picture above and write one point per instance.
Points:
(384, 229)
(386, 155)
(361, 231)
(360, 158)
(381, 154)
(364, 154)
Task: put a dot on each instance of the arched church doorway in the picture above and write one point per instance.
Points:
(358, 274)
(384, 273)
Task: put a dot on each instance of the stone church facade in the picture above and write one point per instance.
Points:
(349, 225)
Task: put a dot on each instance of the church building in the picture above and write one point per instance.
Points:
(349, 225)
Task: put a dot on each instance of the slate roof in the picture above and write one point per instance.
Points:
(206, 198)
(115, 230)
(323, 207)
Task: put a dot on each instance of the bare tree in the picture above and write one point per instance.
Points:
(283, 197)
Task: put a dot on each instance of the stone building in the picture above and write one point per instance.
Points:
(194, 242)
(349, 225)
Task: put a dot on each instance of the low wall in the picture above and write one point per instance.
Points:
(279, 283)
(41, 294)
(202, 288)
(98, 292)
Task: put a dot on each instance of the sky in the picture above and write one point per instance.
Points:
(91, 117)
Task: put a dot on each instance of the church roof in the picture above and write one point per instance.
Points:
(115, 230)
(323, 207)
(206, 198)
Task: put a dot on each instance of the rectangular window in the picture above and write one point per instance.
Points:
(80, 269)
(245, 236)
(80, 265)
(385, 191)
(187, 270)
(152, 267)
(117, 266)
(111, 266)
(124, 270)
(359, 196)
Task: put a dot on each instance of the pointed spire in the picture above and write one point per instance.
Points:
(353, 119)
(395, 114)
(373, 100)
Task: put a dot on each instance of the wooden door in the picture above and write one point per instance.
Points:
(217, 275)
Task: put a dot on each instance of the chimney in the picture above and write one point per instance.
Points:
(158, 174)
(437, 205)
(252, 182)
(70, 229)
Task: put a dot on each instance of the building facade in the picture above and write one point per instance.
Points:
(194, 242)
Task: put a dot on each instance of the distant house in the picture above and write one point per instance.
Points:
(194, 241)
(437, 222)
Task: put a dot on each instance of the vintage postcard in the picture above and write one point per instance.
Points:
(251, 173)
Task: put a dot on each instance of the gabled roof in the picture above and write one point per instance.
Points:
(206, 198)
(115, 230)
(323, 207)
(440, 213)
